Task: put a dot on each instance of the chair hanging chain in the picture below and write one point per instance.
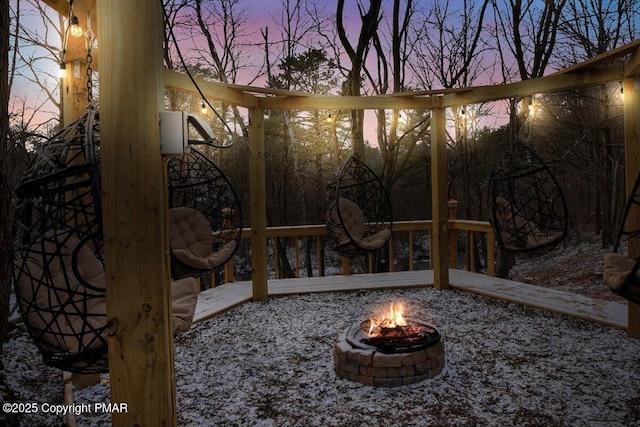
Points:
(89, 45)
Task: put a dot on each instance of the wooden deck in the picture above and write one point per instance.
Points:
(222, 298)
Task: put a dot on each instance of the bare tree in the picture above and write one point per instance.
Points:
(396, 139)
(449, 52)
(222, 22)
(302, 69)
(530, 31)
(590, 28)
(40, 50)
(352, 86)
(6, 191)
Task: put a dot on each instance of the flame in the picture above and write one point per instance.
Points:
(391, 319)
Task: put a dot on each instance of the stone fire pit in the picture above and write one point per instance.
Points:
(357, 361)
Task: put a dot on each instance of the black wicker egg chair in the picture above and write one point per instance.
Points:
(622, 274)
(528, 212)
(359, 217)
(58, 264)
(205, 216)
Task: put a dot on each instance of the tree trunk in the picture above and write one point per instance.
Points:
(6, 192)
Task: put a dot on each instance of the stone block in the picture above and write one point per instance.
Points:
(361, 357)
(421, 368)
(387, 360)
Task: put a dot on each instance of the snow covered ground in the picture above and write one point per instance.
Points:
(270, 364)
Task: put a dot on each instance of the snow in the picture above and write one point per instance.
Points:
(270, 364)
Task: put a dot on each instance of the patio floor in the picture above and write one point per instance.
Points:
(222, 298)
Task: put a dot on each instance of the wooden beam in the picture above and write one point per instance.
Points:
(603, 59)
(213, 90)
(439, 238)
(60, 6)
(632, 165)
(632, 64)
(329, 102)
(135, 219)
(258, 204)
(552, 83)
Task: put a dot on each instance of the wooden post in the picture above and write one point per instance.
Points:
(440, 253)
(452, 206)
(631, 86)
(229, 265)
(258, 205)
(411, 250)
(320, 252)
(276, 260)
(346, 266)
(135, 213)
(391, 259)
(491, 254)
(74, 105)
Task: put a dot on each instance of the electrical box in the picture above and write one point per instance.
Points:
(174, 133)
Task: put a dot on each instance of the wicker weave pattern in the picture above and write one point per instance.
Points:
(359, 218)
(58, 264)
(528, 209)
(196, 182)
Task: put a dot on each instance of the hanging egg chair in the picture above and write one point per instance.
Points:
(58, 263)
(205, 217)
(528, 212)
(621, 273)
(359, 218)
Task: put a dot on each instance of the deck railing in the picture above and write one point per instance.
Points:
(477, 239)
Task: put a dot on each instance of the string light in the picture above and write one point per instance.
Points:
(203, 108)
(329, 119)
(76, 29)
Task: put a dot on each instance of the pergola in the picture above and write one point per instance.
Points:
(132, 87)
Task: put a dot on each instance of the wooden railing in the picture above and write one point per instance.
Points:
(473, 230)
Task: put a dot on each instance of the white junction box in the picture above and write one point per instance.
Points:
(174, 133)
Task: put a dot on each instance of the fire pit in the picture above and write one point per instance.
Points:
(389, 351)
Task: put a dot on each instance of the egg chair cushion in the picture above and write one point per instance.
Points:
(62, 313)
(617, 269)
(184, 296)
(349, 215)
(191, 238)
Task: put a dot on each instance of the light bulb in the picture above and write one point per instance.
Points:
(76, 29)
(203, 109)
(62, 71)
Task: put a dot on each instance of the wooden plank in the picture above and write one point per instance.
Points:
(258, 204)
(439, 236)
(632, 165)
(566, 303)
(470, 225)
(222, 298)
(353, 282)
(134, 205)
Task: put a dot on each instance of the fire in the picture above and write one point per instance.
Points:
(392, 319)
